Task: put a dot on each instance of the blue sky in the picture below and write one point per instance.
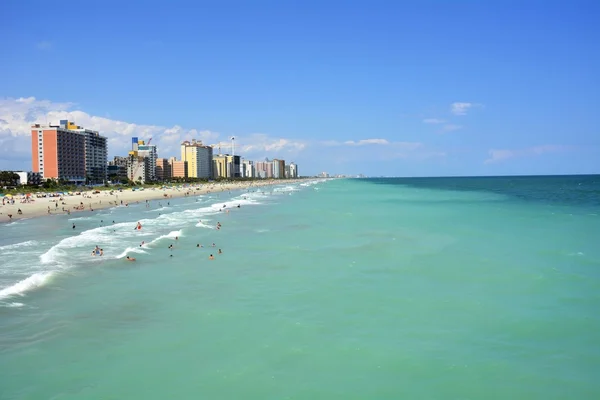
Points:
(391, 88)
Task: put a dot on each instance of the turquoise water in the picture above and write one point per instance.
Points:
(440, 288)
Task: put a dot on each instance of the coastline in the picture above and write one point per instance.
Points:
(91, 201)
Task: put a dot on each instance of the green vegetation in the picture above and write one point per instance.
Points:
(8, 184)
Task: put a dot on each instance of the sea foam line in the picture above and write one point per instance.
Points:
(28, 243)
(31, 282)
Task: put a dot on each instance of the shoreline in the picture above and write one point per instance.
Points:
(91, 201)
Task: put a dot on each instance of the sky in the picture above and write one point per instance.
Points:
(381, 88)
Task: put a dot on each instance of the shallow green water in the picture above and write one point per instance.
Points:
(347, 289)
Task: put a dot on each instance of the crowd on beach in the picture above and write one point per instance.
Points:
(26, 206)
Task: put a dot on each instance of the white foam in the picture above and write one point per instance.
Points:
(170, 235)
(286, 189)
(128, 250)
(34, 281)
(18, 245)
(233, 203)
(81, 219)
(109, 236)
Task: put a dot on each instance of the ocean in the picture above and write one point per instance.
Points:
(391, 288)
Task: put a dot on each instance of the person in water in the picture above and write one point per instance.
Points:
(130, 258)
(220, 252)
(211, 257)
(97, 251)
(73, 226)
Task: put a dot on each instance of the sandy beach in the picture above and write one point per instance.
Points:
(97, 199)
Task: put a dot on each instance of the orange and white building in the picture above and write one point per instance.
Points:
(68, 152)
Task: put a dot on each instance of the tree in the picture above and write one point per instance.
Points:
(8, 178)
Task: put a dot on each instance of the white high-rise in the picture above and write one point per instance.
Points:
(148, 151)
(248, 170)
(293, 170)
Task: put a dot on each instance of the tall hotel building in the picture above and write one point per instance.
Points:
(199, 159)
(148, 151)
(67, 151)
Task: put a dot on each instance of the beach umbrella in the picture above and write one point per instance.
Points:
(9, 195)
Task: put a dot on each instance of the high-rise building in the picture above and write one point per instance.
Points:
(163, 169)
(68, 151)
(226, 166)
(117, 168)
(179, 169)
(199, 159)
(293, 171)
(148, 151)
(278, 169)
(264, 169)
(96, 154)
(138, 169)
(248, 169)
(58, 152)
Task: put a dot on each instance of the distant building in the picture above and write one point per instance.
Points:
(264, 169)
(163, 169)
(226, 166)
(117, 169)
(293, 171)
(138, 169)
(219, 166)
(199, 159)
(278, 169)
(148, 151)
(179, 169)
(29, 178)
(248, 170)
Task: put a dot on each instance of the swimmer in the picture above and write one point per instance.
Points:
(220, 252)
(130, 258)
(170, 247)
(199, 245)
(213, 245)
(211, 257)
(73, 226)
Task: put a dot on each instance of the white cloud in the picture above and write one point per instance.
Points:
(461, 108)
(451, 128)
(262, 145)
(366, 141)
(433, 121)
(499, 155)
(18, 114)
